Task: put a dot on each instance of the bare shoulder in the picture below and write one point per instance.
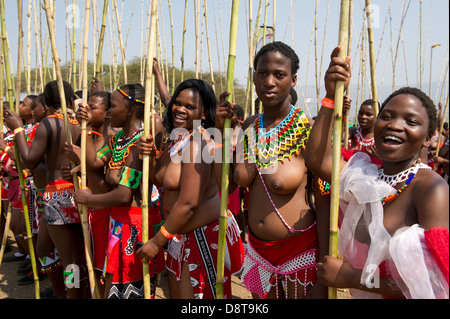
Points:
(250, 120)
(428, 180)
(431, 199)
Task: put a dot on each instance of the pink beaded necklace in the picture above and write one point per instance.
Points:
(291, 229)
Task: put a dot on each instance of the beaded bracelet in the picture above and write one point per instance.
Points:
(18, 130)
(165, 233)
(94, 132)
(328, 103)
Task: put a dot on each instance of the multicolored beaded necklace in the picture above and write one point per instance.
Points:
(362, 142)
(279, 143)
(120, 147)
(176, 145)
(404, 176)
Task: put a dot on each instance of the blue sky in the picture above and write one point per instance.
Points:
(435, 30)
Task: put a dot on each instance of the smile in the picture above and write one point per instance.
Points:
(392, 140)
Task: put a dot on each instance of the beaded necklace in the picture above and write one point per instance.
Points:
(362, 142)
(72, 120)
(291, 229)
(177, 144)
(406, 175)
(279, 143)
(120, 147)
(401, 177)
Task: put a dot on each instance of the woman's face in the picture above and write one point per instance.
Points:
(119, 110)
(401, 129)
(273, 79)
(25, 109)
(98, 111)
(187, 107)
(39, 111)
(366, 116)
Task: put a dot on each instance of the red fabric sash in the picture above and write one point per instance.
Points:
(279, 251)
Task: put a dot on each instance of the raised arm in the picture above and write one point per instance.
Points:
(318, 152)
(32, 155)
(163, 91)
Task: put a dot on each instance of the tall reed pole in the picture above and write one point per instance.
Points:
(83, 209)
(337, 136)
(29, 49)
(373, 72)
(17, 155)
(197, 35)
(148, 113)
(420, 66)
(349, 51)
(101, 39)
(211, 70)
(173, 46)
(226, 153)
(59, 79)
(8, 214)
(184, 41)
(19, 54)
(122, 48)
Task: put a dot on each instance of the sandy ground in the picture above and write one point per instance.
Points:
(9, 289)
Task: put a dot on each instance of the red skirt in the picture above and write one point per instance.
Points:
(199, 249)
(120, 258)
(267, 261)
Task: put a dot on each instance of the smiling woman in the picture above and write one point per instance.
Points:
(401, 207)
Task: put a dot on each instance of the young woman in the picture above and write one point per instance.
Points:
(191, 200)
(60, 212)
(362, 136)
(14, 191)
(46, 251)
(100, 131)
(116, 244)
(286, 236)
(394, 225)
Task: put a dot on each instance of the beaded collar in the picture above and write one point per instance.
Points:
(362, 142)
(404, 176)
(267, 148)
(72, 120)
(177, 144)
(394, 180)
(120, 147)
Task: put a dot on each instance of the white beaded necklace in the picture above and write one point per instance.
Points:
(401, 177)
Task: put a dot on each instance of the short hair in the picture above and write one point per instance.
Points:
(41, 99)
(284, 49)
(239, 111)
(135, 92)
(33, 100)
(104, 96)
(208, 98)
(51, 93)
(426, 102)
(370, 102)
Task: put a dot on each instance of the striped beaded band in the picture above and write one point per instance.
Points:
(129, 97)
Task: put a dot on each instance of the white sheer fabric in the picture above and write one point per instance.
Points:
(364, 241)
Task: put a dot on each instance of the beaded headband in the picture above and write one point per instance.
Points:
(129, 97)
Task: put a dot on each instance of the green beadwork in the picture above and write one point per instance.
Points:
(280, 143)
(120, 147)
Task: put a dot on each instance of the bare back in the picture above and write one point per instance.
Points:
(48, 144)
